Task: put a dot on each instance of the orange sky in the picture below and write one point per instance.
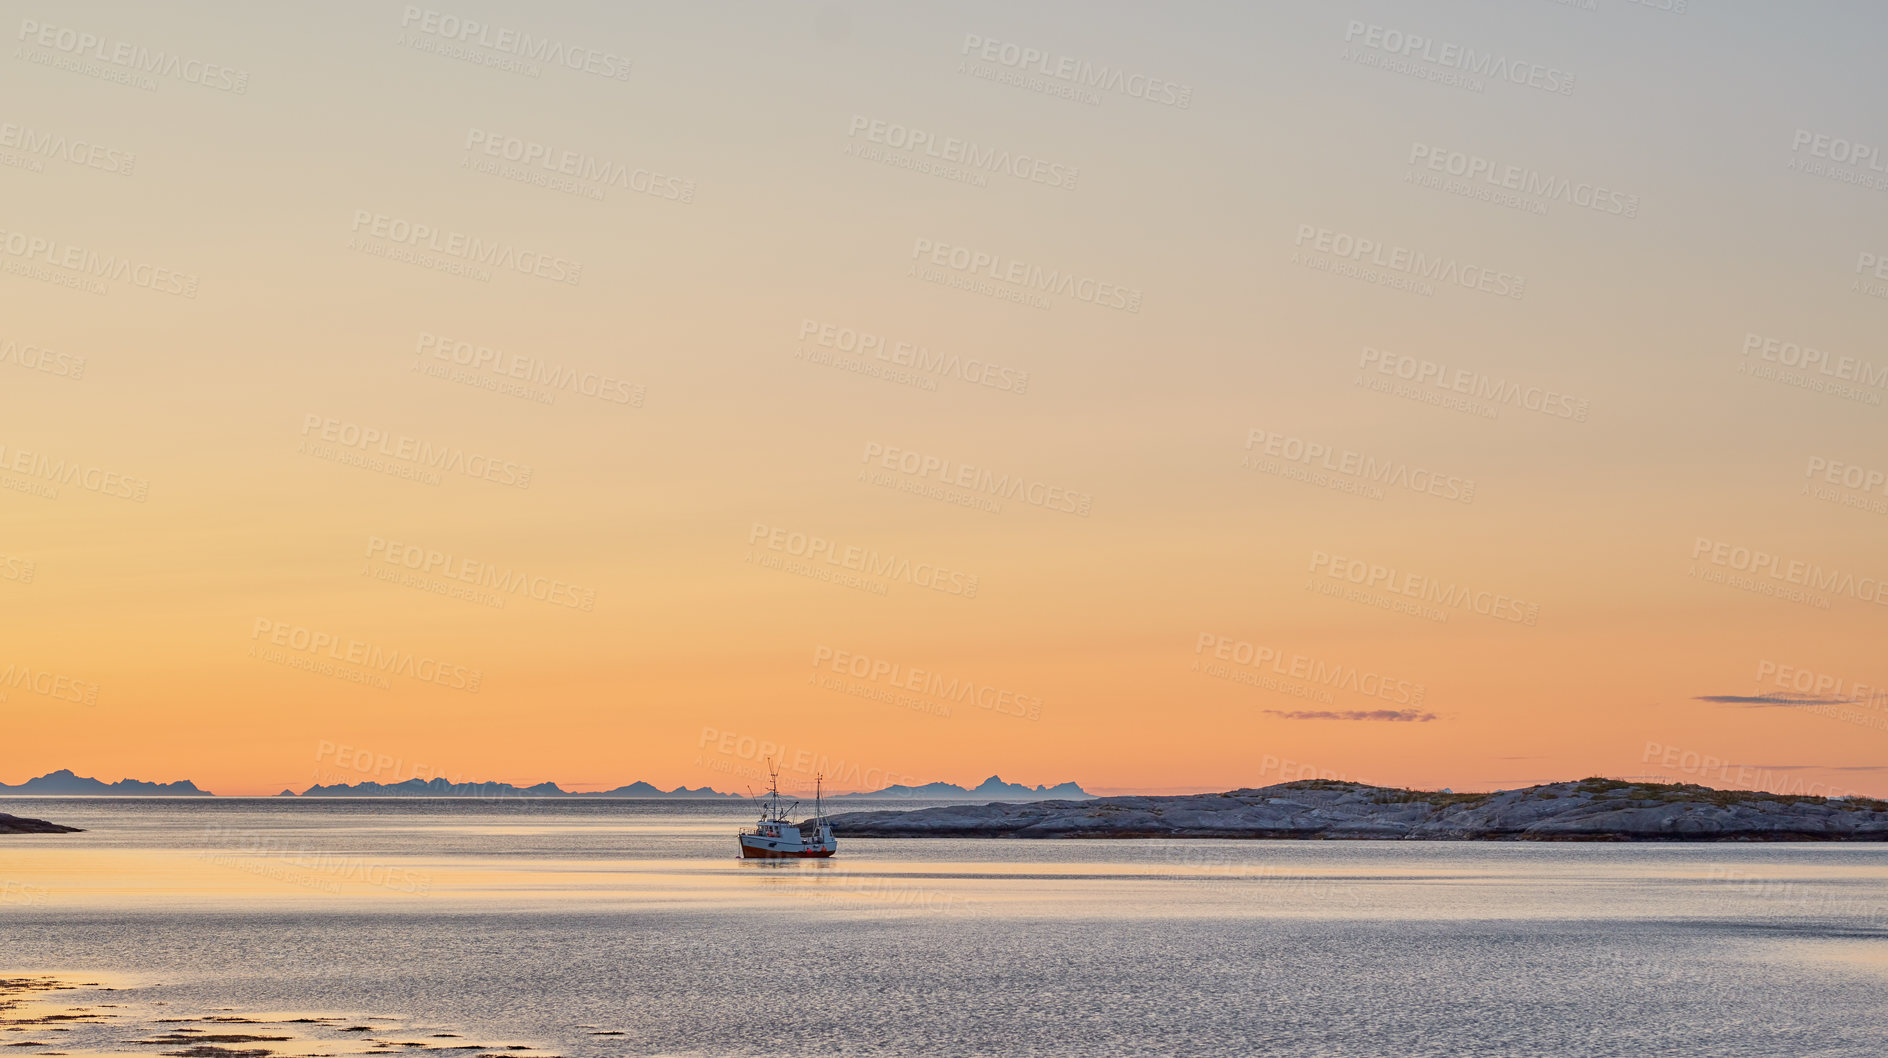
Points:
(595, 396)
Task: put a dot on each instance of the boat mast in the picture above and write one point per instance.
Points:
(773, 788)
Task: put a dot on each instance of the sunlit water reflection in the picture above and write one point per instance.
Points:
(624, 927)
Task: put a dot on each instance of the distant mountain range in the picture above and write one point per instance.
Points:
(63, 783)
(991, 789)
(443, 788)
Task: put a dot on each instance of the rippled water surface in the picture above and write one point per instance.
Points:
(608, 928)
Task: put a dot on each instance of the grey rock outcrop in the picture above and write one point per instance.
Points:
(1589, 810)
(21, 825)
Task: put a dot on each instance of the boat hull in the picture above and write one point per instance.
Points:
(751, 853)
(755, 847)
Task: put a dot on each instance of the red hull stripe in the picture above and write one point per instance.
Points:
(775, 854)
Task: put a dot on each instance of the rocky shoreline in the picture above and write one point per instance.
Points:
(1588, 810)
(22, 825)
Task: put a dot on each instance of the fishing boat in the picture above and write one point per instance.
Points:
(776, 838)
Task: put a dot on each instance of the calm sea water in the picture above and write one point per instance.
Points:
(551, 922)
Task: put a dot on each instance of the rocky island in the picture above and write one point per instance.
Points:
(1588, 810)
(21, 825)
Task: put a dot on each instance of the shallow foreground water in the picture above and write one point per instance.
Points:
(605, 928)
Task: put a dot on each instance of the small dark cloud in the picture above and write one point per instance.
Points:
(1771, 699)
(1408, 716)
(1823, 767)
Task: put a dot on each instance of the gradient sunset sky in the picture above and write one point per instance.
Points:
(1441, 394)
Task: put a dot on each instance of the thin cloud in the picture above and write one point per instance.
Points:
(1406, 716)
(1785, 698)
(1823, 767)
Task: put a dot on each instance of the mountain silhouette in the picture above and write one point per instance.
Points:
(63, 783)
(991, 789)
